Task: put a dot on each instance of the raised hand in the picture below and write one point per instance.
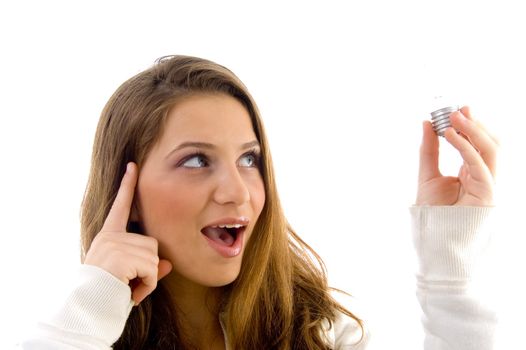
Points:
(475, 181)
(131, 257)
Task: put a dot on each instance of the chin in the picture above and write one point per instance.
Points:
(220, 280)
(209, 277)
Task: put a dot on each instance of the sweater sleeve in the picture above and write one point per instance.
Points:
(346, 333)
(449, 241)
(92, 317)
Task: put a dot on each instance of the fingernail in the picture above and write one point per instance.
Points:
(128, 167)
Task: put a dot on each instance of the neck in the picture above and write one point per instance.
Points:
(198, 310)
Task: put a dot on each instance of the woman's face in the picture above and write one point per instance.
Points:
(200, 191)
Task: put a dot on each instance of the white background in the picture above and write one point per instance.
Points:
(343, 88)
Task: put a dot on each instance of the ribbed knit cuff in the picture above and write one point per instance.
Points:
(449, 240)
(98, 306)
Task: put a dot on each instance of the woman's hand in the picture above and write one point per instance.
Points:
(476, 178)
(131, 257)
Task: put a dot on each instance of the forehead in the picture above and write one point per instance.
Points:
(210, 117)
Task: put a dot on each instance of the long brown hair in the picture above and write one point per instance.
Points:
(281, 299)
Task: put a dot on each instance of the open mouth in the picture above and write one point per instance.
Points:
(224, 235)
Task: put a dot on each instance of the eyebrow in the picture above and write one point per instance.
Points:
(207, 145)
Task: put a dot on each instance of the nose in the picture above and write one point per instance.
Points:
(231, 187)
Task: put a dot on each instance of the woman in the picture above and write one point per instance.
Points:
(185, 245)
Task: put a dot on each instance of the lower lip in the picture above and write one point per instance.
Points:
(228, 251)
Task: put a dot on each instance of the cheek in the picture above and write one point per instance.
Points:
(166, 208)
(257, 195)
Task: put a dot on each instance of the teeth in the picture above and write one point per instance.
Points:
(230, 226)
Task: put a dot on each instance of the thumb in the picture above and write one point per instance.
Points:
(428, 154)
(165, 267)
(140, 290)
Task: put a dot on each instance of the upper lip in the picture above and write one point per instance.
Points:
(236, 222)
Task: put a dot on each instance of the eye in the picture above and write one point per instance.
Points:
(195, 161)
(249, 160)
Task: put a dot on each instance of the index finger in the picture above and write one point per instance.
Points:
(117, 218)
(485, 145)
(466, 111)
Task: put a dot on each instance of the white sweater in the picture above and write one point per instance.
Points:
(448, 241)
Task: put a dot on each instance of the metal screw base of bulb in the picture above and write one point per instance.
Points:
(440, 119)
